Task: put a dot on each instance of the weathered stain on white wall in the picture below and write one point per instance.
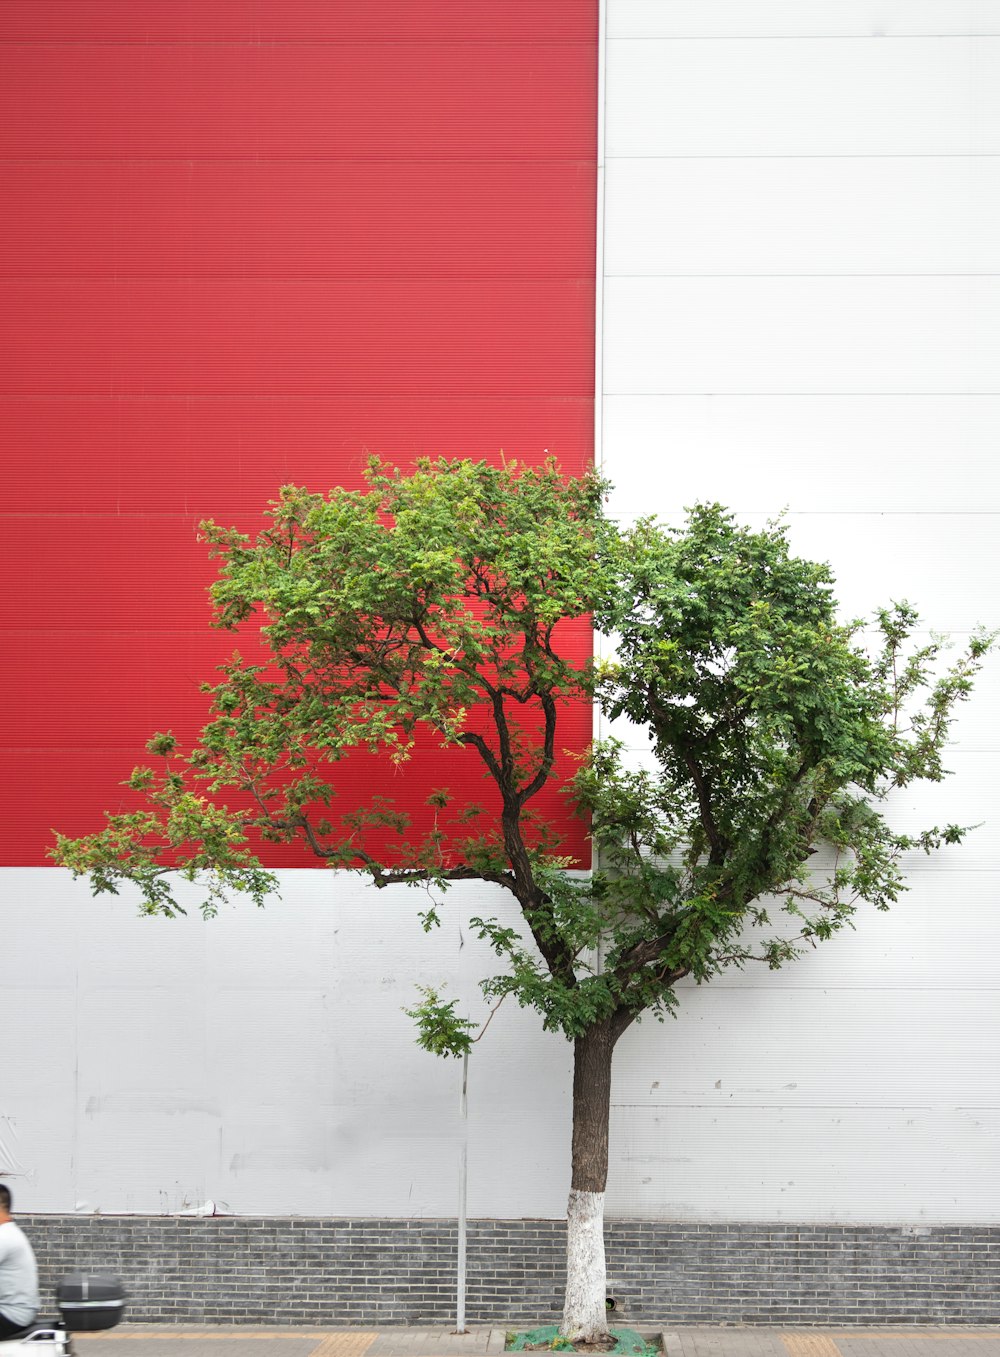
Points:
(802, 314)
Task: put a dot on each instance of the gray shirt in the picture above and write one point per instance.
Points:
(18, 1276)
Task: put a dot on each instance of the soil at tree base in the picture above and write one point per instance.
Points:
(624, 1341)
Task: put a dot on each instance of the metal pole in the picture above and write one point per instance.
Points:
(463, 1182)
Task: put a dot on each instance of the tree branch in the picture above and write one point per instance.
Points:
(408, 876)
(486, 753)
(548, 751)
(716, 840)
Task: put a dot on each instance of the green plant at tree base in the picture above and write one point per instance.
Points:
(442, 601)
(627, 1341)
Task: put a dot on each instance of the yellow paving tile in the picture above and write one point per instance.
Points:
(344, 1345)
(809, 1345)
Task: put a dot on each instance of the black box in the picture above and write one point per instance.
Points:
(88, 1302)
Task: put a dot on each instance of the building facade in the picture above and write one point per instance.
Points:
(735, 251)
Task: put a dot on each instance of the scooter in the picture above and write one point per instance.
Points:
(86, 1303)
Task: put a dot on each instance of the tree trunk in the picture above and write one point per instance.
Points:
(585, 1317)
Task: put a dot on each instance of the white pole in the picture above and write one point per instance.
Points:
(463, 1181)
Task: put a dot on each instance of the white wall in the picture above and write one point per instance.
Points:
(262, 1060)
(801, 312)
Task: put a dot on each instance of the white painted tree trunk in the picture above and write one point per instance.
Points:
(585, 1316)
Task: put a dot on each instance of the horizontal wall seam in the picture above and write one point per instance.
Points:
(827, 273)
(800, 155)
(798, 37)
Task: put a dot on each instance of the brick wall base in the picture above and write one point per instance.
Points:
(378, 1272)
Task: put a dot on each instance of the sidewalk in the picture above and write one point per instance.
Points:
(222, 1340)
(891, 1341)
(227, 1340)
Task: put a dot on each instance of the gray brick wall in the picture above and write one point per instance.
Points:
(379, 1272)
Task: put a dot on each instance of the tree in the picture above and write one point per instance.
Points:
(439, 601)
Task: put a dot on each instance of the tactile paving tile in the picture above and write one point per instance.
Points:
(344, 1345)
(809, 1345)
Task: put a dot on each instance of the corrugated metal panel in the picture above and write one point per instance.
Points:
(796, 213)
(169, 667)
(943, 565)
(379, 101)
(36, 666)
(809, 453)
(249, 244)
(802, 215)
(353, 219)
(801, 335)
(794, 97)
(799, 18)
(68, 788)
(219, 456)
(275, 338)
(269, 21)
(160, 572)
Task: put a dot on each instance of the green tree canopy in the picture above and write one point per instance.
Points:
(777, 733)
(440, 601)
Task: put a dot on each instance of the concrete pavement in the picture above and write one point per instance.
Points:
(891, 1341)
(208, 1340)
(225, 1340)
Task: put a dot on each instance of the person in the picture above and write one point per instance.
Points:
(18, 1273)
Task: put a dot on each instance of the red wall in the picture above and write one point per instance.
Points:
(247, 242)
